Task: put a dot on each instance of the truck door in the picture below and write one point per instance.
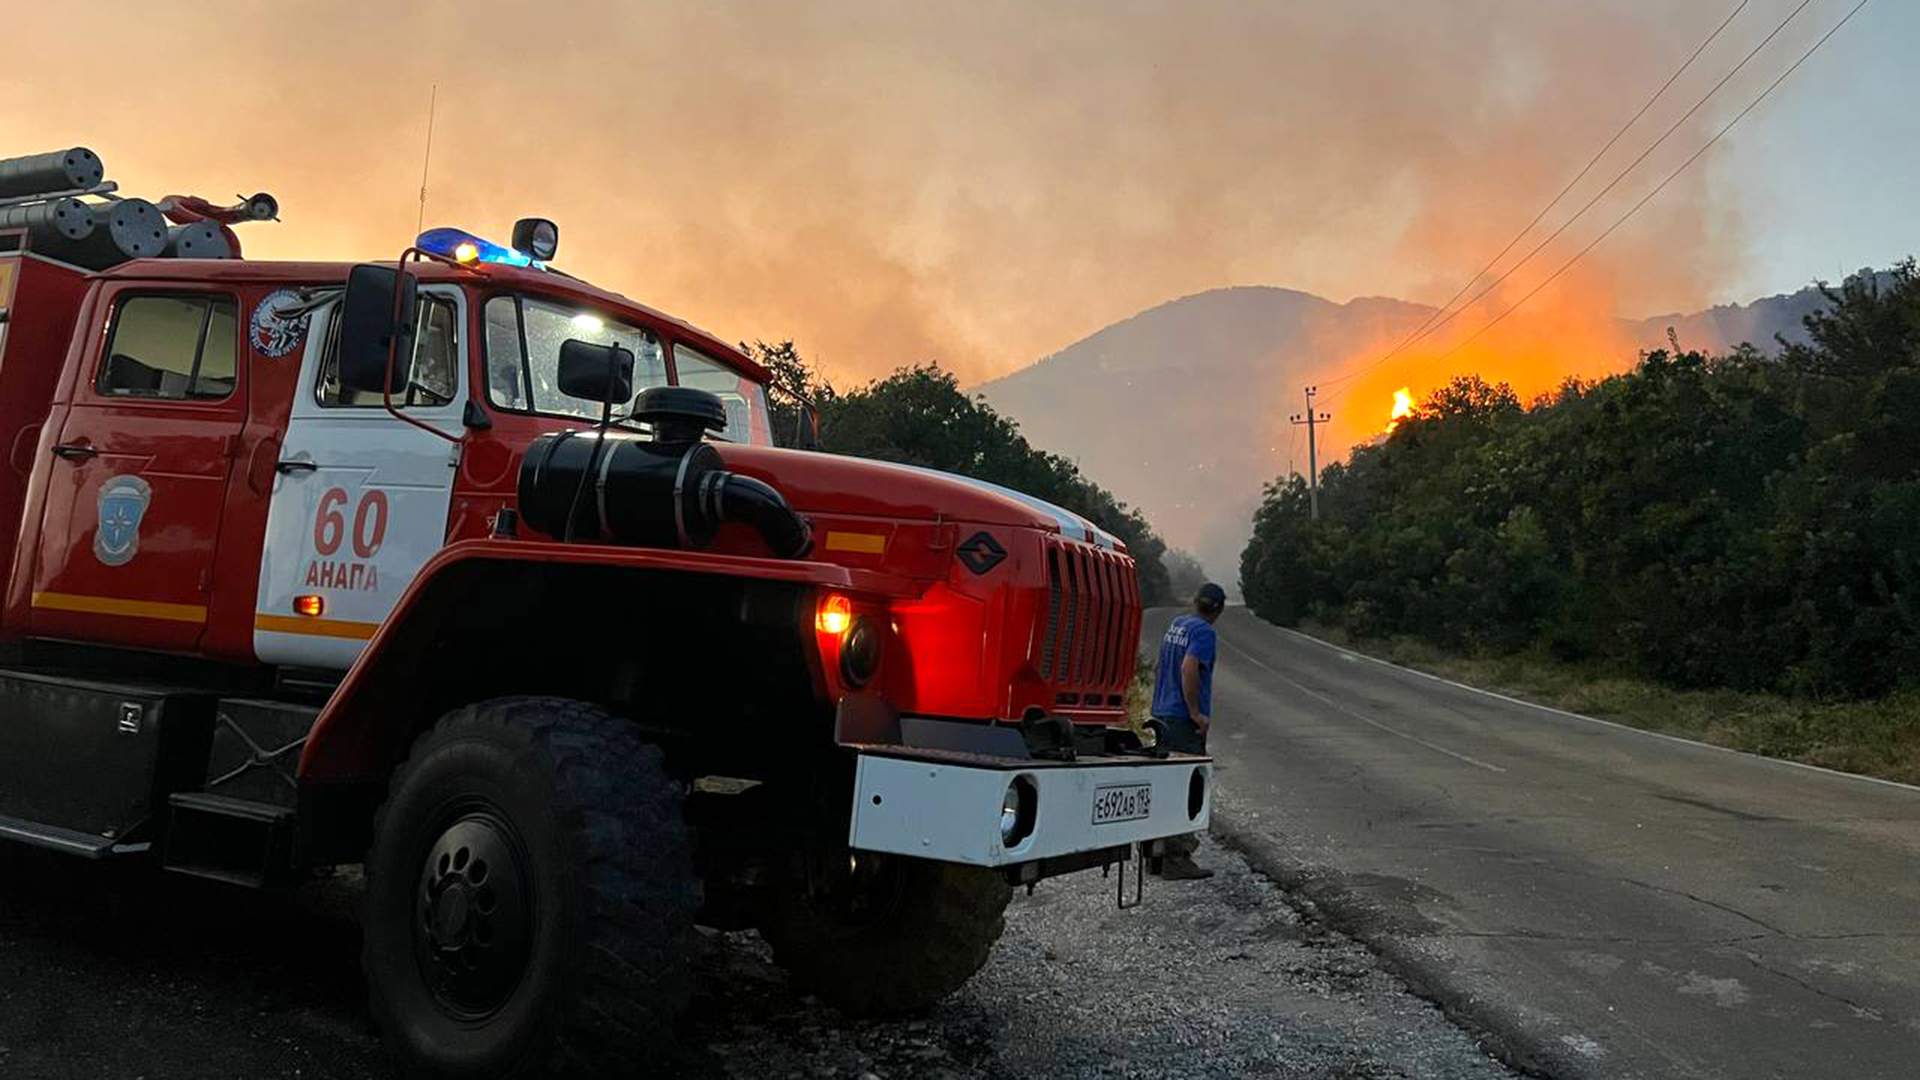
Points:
(360, 500)
(130, 537)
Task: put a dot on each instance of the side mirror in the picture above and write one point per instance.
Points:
(370, 335)
(792, 416)
(602, 373)
(538, 237)
(806, 427)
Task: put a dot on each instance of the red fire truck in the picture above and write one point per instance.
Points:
(492, 581)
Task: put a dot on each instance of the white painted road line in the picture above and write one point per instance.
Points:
(1332, 704)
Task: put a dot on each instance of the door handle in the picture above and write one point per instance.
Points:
(287, 467)
(75, 452)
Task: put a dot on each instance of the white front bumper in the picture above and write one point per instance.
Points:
(950, 811)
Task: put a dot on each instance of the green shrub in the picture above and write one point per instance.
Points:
(1734, 521)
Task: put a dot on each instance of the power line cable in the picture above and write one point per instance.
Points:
(1603, 192)
(1635, 208)
(1420, 331)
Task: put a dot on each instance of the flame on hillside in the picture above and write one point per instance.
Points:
(1567, 331)
(1402, 408)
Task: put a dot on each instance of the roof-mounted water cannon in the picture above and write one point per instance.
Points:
(260, 206)
(45, 195)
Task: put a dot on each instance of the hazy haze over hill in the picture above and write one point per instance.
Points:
(979, 184)
(1182, 410)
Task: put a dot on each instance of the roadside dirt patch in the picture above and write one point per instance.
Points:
(106, 974)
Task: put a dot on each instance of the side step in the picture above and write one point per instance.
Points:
(256, 749)
(238, 841)
(54, 838)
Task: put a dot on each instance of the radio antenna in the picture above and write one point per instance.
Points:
(433, 99)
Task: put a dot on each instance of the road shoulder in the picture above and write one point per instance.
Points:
(1876, 740)
(1325, 894)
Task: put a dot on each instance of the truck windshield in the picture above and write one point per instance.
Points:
(524, 335)
(745, 399)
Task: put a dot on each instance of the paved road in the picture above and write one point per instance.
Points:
(1597, 901)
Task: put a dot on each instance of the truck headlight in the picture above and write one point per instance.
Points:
(1018, 809)
(860, 652)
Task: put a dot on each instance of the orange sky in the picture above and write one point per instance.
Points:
(888, 183)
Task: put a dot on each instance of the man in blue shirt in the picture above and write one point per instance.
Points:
(1183, 704)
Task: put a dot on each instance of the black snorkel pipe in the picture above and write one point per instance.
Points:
(729, 496)
(668, 491)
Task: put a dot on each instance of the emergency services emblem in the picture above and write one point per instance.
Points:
(123, 502)
(273, 331)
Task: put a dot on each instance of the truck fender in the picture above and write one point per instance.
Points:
(384, 699)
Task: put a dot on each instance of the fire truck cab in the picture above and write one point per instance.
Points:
(494, 582)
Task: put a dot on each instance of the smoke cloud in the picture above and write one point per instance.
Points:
(888, 183)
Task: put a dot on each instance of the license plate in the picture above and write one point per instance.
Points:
(1122, 802)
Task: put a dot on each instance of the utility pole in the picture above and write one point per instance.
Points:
(1312, 420)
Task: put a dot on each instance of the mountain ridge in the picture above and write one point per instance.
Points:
(1181, 409)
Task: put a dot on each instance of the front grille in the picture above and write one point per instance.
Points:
(1092, 619)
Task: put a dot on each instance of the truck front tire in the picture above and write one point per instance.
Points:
(530, 894)
(883, 935)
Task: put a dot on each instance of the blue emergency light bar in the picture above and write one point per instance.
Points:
(463, 247)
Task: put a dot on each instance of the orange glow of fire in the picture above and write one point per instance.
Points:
(1568, 330)
(1402, 407)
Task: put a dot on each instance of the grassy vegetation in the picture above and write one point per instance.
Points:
(1877, 737)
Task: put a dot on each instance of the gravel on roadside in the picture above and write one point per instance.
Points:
(110, 975)
(1217, 978)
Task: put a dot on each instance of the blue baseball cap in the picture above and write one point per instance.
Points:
(1211, 597)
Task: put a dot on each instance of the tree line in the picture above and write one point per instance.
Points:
(920, 416)
(1740, 520)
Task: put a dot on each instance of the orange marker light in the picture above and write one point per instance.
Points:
(310, 606)
(466, 253)
(836, 614)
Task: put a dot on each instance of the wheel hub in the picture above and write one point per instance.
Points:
(450, 915)
(471, 933)
(854, 891)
